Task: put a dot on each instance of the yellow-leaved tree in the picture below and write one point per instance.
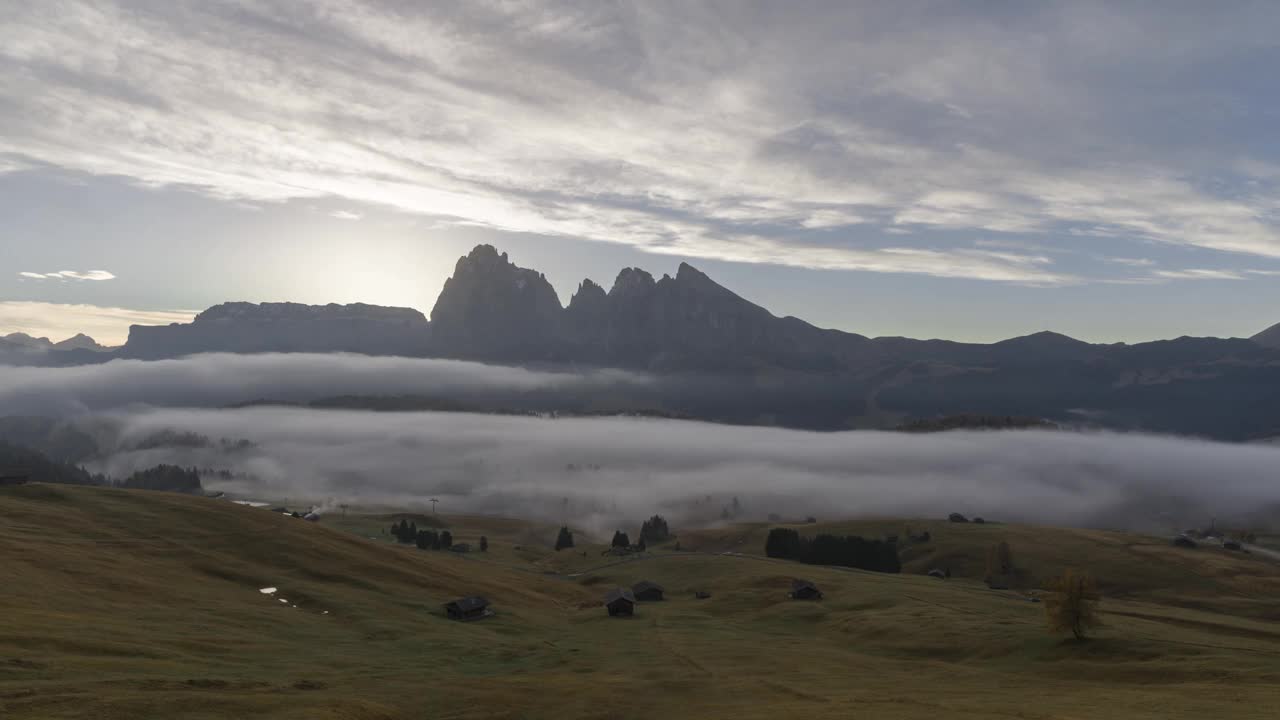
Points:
(1071, 603)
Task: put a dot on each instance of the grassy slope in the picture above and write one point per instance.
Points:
(118, 604)
(1126, 565)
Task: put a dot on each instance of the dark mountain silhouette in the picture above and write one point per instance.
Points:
(23, 349)
(730, 360)
(1269, 337)
(240, 327)
(492, 310)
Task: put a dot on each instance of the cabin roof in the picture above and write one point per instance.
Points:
(468, 604)
(798, 584)
(617, 594)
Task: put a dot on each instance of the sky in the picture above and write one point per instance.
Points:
(971, 171)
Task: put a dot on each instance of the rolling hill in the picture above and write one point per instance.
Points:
(126, 604)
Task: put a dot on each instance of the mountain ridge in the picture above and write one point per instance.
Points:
(731, 360)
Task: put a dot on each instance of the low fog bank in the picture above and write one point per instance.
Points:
(604, 473)
(215, 380)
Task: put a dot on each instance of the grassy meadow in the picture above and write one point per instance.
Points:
(132, 604)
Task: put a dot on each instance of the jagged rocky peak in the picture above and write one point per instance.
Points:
(491, 308)
(631, 282)
(588, 293)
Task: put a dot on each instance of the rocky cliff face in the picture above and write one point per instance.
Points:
(691, 322)
(241, 327)
(490, 309)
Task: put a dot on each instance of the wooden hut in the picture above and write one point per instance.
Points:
(620, 602)
(646, 591)
(805, 590)
(468, 608)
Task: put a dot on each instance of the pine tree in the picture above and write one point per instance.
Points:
(446, 540)
(423, 540)
(564, 539)
(484, 544)
(655, 530)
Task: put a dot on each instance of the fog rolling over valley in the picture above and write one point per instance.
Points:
(600, 471)
(604, 472)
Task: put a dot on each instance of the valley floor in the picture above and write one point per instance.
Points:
(128, 604)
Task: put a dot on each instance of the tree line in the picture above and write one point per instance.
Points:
(843, 550)
(407, 533)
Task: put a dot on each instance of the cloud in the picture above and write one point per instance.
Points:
(1130, 262)
(609, 473)
(676, 130)
(107, 325)
(345, 215)
(223, 379)
(1199, 274)
(70, 275)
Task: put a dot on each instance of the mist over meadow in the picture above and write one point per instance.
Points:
(601, 472)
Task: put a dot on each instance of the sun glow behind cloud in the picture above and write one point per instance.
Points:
(680, 131)
(107, 325)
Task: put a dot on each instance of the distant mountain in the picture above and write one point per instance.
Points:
(241, 327)
(1269, 337)
(23, 349)
(25, 341)
(80, 341)
(729, 360)
(493, 310)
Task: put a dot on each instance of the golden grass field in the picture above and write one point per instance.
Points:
(129, 604)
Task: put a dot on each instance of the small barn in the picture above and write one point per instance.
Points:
(468, 608)
(805, 590)
(646, 591)
(938, 573)
(620, 602)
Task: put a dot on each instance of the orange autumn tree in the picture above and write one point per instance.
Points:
(1072, 603)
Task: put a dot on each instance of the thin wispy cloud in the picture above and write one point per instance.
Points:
(682, 129)
(69, 275)
(1199, 274)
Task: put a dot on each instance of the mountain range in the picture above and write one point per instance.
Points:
(784, 370)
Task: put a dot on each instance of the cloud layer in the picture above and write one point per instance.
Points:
(875, 137)
(607, 473)
(222, 379)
